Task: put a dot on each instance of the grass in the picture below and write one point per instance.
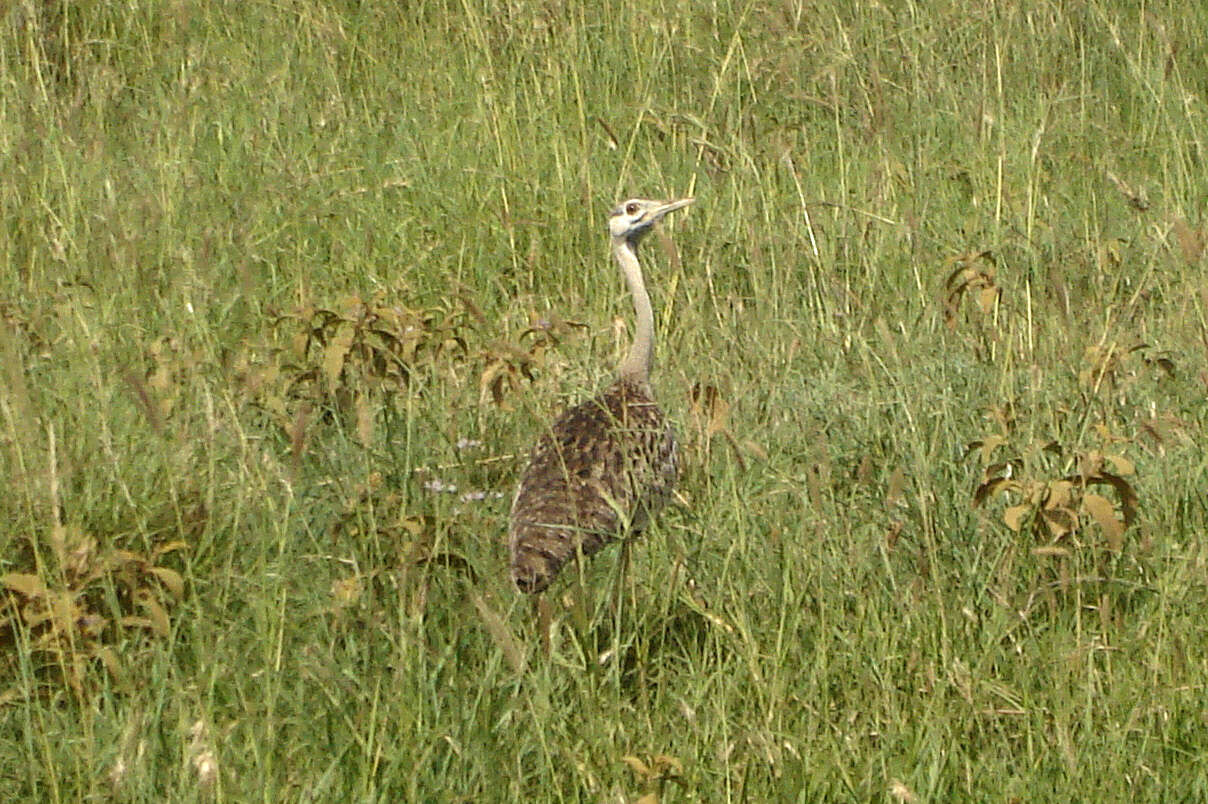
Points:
(277, 277)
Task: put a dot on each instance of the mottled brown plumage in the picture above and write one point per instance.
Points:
(608, 464)
(604, 467)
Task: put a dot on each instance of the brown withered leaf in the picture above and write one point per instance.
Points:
(864, 470)
(146, 403)
(900, 792)
(168, 547)
(299, 344)
(1014, 516)
(346, 591)
(667, 766)
(504, 364)
(896, 488)
(991, 487)
(1103, 512)
(1053, 448)
(987, 299)
(297, 432)
(1165, 364)
(336, 352)
(974, 271)
(1136, 199)
(755, 449)
(893, 533)
(986, 446)
(552, 327)
(1059, 521)
(719, 411)
(710, 413)
(493, 378)
(133, 621)
(1060, 494)
(364, 415)
(500, 633)
(969, 261)
(1191, 241)
(60, 611)
(1122, 465)
(448, 560)
(171, 579)
(1128, 497)
(109, 658)
(639, 767)
(121, 557)
(1051, 550)
(1003, 415)
(156, 615)
(709, 409)
(1111, 253)
(25, 584)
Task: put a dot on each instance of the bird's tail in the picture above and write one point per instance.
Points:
(540, 552)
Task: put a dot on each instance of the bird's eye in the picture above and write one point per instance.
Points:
(631, 208)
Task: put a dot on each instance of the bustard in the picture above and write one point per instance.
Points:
(607, 464)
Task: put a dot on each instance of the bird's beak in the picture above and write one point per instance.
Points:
(669, 206)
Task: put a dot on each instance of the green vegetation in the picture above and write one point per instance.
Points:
(288, 290)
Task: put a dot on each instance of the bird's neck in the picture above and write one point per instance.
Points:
(636, 366)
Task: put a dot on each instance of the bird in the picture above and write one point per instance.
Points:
(606, 465)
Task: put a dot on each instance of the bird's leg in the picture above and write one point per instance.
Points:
(622, 582)
(545, 624)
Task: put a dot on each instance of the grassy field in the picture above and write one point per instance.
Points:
(289, 289)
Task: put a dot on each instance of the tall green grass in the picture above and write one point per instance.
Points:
(233, 566)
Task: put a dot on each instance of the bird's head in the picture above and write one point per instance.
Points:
(634, 218)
